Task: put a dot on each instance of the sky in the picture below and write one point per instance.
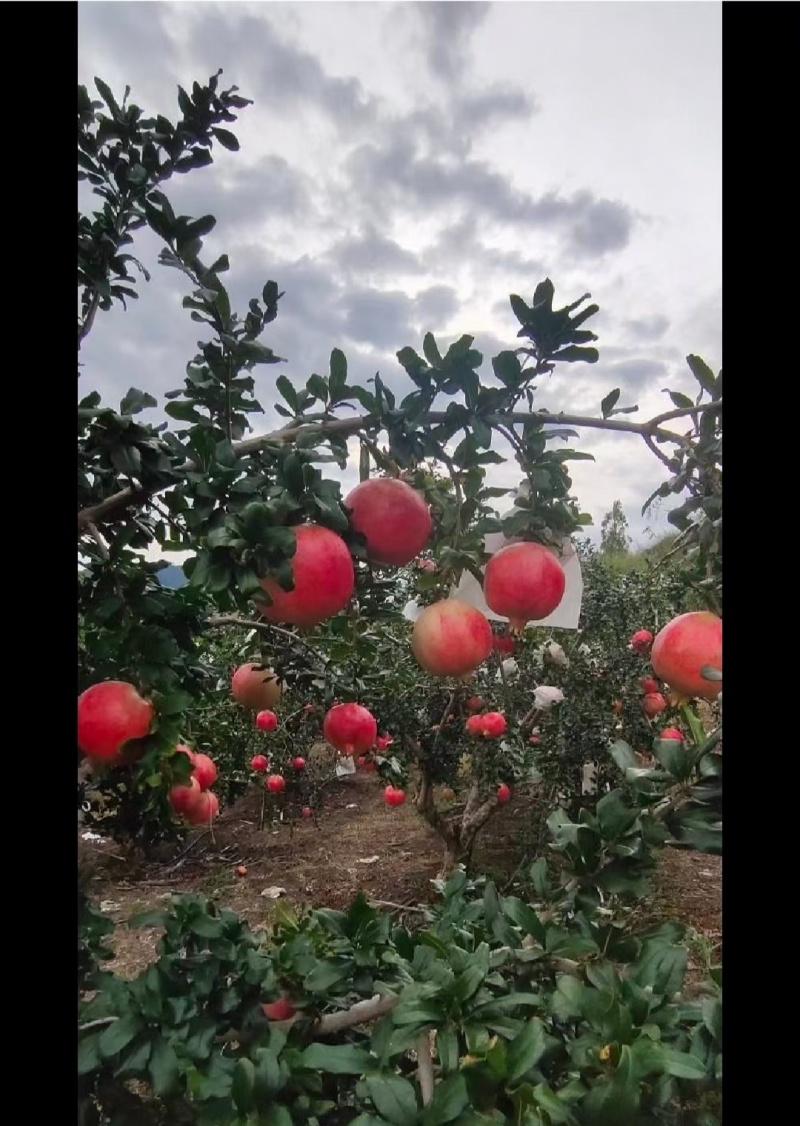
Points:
(407, 166)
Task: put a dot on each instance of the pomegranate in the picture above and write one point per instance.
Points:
(648, 685)
(203, 809)
(641, 641)
(501, 643)
(383, 741)
(275, 783)
(671, 733)
(259, 763)
(204, 771)
(266, 720)
(241, 870)
(474, 704)
(683, 647)
(350, 728)
(282, 1009)
(427, 565)
(474, 725)
(394, 797)
(182, 797)
(184, 750)
(494, 724)
(533, 740)
(255, 687)
(503, 792)
(306, 812)
(109, 714)
(324, 578)
(524, 582)
(451, 638)
(393, 518)
(653, 704)
(299, 763)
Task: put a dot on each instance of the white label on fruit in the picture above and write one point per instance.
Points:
(345, 766)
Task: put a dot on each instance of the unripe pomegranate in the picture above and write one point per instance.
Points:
(393, 518)
(259, 763)
(182, 797)
(474, 704)
(306, 812)
(266, 721)
(451, 638)
(683, 647)
(204, 809)
(324, 578)
(494, 724)
(474, 725)
(641, 641)
(653, 704)
(204, 771)
(275, 783)
(671, 733)
(299, 763)
(503, 792)
(350, 728)
(394, 797)
(255, 687)
(282, 1009)
(648, 685)
(109, 715)
(524, 582)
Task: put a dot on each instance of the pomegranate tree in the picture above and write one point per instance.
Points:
(324, 577)
(683, 648)
(110, 714)
(350, 728)
(451, 638)
(393, 518)
(523, 582)
(255, 687)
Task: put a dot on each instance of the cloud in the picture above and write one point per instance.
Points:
(648, 328)
(370, 252)
(446, 32)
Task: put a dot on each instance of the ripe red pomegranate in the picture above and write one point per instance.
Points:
(524, 582)
(182, 797)
(324, 578)
(648, 685)
(259, 763)
(474, 725)
(109, 714)
(383, 741)
(282, 1009)
(306, 812)
(503, 644)
(204, 809)
(350, 728)
(503, 792)
(474, 704)
(671, 733)
(393, 518)
(394, 797)
(641, 641)
(266, 721)
(683, 647)
(299, 763)
(494, 724)
(205, 771)
(255, 687)
(653, 704)
(275, 783)
(451, 638)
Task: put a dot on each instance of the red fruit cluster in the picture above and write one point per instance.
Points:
(195, 802)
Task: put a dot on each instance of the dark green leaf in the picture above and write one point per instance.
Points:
(394, 1098)
(227, 140)
(526, 1049)
(242, 1087)
(118, 1035)
(450, 1098)
(163, 1067)
(338, 1059)
(609, 402)
(702, 373)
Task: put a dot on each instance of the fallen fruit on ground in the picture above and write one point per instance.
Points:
(350, 728)
(275, 783)
(451, 638)
(393, 518)
(503, 792)
(523, 582)
(259, 763)
(394, 797)
(266, 720)
(255, 687)
(109, 715)
(306, 811)
(683, 647)
(324, 577)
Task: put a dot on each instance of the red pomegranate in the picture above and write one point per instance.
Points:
(494, 724)
(383, 741)
(474, 704)
(282, 1009)
(350, 728)
(524, 582)
(182, 797)
(683, 647)
(109, 714)
(266, 720)
(393, 518)
(474, 725)
(394, 797)
(503, 793)
(451, 638)
(641, 641)
(259, 763)
(653, 704)
(275, 783)
(324, 578)
(503, 644)
(255, 686)
(648, 685)
(671, 733)
(306, 812)
(204, 771)
(298, 763)
(184, 750)
(203, 809)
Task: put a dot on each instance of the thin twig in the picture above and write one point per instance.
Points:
(425, 1067)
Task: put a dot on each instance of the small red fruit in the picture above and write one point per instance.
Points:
(383, 741)
(306, 812)
(393, 518)
(534, 739)
(648, 685)
(494, 724)
(653, 704)
(617, 707)
(241, 870)
(370, 766)
(503, 792)
(275, 783)
(503, 644)
(299, 763)
(523, 582)
(474, 704)
(426, 565)
(282, 1009)
(394, 797)
(683, 647)
(474, 725)
(350, 728)
(671, 733)
(182, 797)
(259, 763)
(204, 771)
(324, 577)
(641, 641)
(451, 638)
(109, 715)
(266, 721)
(255, 687)
(204, 809)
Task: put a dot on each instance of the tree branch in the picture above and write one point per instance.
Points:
(425, 1067)
(360, 1013)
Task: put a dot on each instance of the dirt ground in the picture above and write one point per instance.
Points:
(359, 844)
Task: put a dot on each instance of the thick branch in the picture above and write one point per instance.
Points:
(360, 1013)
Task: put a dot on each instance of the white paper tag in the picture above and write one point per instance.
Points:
(345, 766)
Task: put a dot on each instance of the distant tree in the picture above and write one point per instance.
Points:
(614, 538)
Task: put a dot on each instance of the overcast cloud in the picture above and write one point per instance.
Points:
(406, 166)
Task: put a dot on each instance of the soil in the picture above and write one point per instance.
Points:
(359, 844)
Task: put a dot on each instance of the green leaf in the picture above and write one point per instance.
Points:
(288, 392)
(243, 1085)
(682, 1065)
(447, 1048)
(394, 1098)
(450, 1098)
(89, 1053)
(524, 917)
(267, 1078)
(338, 1059)
(609, 402)
(526, 1049)
(118, 1035)
(163, 1067)
(326, 974)
(318, 388)
(338, 376)
(614, 1102)
(557, 1112)
(703, 374)
(614, 816)
(227, 140)
(575, 354)
(136, 401)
